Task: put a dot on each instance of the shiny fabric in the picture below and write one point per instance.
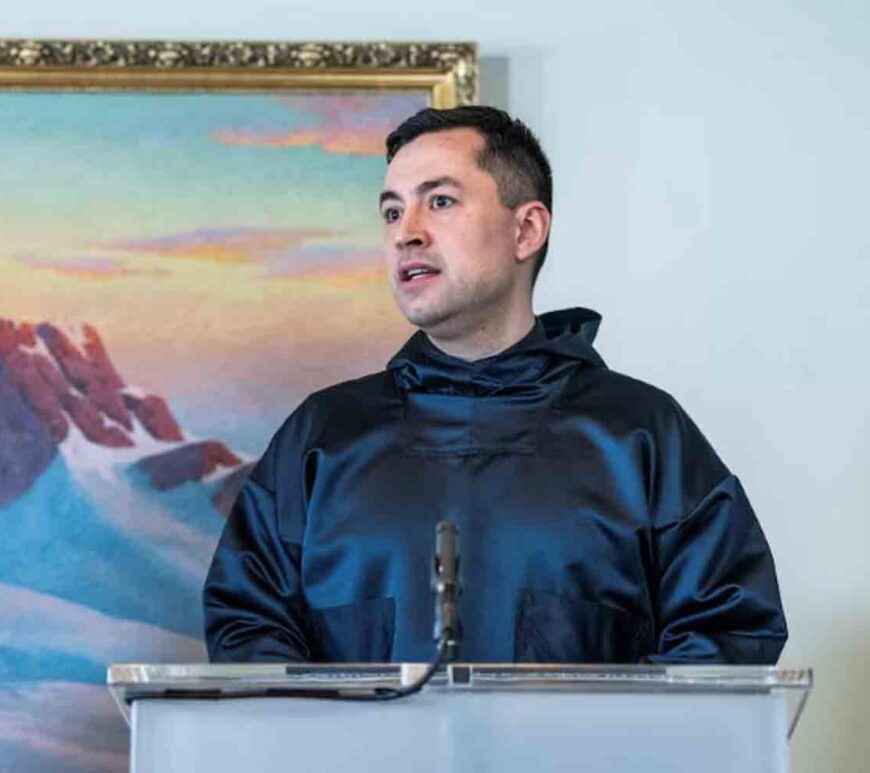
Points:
(596, 523)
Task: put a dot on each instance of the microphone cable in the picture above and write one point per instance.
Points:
(394, 693)
(378, 693)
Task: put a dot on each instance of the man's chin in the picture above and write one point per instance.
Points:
(427, 319)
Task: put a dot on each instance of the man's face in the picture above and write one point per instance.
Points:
(449, 241)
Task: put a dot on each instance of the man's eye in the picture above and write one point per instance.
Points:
(390, 215)
(440, 201)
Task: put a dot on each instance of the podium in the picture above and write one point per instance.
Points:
(470, 718)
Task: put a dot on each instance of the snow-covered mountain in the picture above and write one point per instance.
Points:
(109, 515)
(59, 390)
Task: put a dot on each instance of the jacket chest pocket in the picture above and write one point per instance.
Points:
(555, 628)
(361, 632)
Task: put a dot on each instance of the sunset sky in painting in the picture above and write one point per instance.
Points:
(227, 247)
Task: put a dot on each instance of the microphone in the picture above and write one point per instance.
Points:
(445, 583)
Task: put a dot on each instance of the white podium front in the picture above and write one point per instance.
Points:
(470, 718)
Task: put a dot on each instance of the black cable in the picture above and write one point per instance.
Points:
(379, 693)
(394, 693)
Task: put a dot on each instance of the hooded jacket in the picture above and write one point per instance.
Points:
(596, 523)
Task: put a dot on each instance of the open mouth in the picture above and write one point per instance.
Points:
(417, 273)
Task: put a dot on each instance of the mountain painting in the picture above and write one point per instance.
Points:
(177, 272)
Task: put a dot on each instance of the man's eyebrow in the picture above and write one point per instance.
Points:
(428, 185)
(388, 195)
(423, 187)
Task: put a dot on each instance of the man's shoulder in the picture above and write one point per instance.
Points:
(367, 389)
(618, 406)
(625, 402)
(343, 405)
(610, 386)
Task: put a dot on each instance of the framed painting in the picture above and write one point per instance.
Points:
(189, 245)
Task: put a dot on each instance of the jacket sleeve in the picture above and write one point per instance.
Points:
(715, 590)
(253, 604)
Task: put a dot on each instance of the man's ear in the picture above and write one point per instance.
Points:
(532, 229)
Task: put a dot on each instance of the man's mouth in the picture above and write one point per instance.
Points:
(417, 273)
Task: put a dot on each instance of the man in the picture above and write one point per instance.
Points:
(596, 523)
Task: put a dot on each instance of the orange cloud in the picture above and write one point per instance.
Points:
(224, 245)
(359, 142)
(87, 267)
(344, 122)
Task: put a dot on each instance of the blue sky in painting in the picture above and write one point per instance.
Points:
(151, 162)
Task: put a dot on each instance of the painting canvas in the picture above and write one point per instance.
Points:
(178, 270)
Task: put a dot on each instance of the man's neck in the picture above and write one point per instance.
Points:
(485, 339)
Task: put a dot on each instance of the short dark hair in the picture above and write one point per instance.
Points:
(511, 154)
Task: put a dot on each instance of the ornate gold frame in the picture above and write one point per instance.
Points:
(448, 70)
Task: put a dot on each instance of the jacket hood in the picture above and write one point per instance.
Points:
(559, 341)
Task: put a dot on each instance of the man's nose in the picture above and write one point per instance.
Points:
(412, 231)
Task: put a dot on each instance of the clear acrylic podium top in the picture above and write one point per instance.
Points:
(131, 682)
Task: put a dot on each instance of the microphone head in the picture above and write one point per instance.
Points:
(446, 526)
(446, 552)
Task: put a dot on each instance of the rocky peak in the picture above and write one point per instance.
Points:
(76, 383)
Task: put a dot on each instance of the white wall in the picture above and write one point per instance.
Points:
(711, 164)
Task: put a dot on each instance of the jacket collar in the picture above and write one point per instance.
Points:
(559, 340)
